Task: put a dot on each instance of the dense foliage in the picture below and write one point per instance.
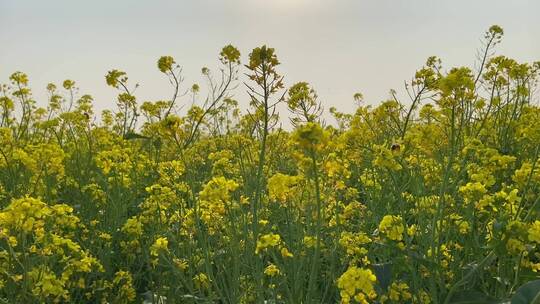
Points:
(435, 200)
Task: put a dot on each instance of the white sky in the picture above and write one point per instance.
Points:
(340, 46)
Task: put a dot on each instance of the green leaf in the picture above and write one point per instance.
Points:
(133, 135)
(473, 297)
(528, 293)
(383, 272)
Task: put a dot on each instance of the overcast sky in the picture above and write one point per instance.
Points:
(339, 46)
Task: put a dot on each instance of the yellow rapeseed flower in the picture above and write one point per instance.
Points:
(534, 232)
(392, 227)
(160, 244)
(267, 241)
(358, 284)
(272, 270)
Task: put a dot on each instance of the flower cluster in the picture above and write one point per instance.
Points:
(192, 199)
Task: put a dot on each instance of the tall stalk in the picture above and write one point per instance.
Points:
(262, 64)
